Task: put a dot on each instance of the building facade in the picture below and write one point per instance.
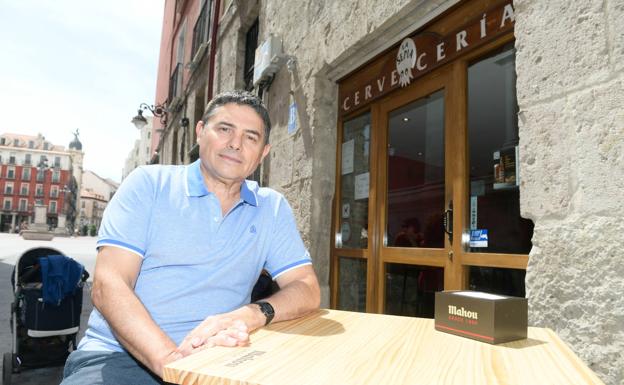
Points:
(35, 171)
(142, 150)
(92, 207)
(432, 145)
(95, 194)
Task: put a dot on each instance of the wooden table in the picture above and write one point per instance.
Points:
(338, 347)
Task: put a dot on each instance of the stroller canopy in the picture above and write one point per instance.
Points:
(59, 274)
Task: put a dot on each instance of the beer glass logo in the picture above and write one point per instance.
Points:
(405, 61)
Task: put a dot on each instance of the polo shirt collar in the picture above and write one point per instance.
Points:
(195, 186)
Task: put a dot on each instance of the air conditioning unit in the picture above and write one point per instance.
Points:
(268, 59)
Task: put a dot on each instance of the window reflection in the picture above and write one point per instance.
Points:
(495, 222)
(416, 173)
(497, 281)
(355, 181)
(352, 282)
(410, 289)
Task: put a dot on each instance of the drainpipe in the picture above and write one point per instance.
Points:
(213, 48)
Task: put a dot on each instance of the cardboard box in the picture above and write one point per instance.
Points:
(486, 317)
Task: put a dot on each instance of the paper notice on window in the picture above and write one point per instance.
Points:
(361, 185)
(347, 156)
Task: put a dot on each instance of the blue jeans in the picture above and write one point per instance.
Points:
(106, 368)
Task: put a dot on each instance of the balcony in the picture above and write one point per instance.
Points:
(24, 193)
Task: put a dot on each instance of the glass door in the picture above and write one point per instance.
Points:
(427, 190)
(414, 195)
(350, 260)
(497, 239)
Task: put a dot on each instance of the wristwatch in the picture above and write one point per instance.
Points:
(267, 310)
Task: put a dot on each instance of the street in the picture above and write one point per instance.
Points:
(12, 246)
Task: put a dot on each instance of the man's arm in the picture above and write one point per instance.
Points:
(116, 272)
(299, 295)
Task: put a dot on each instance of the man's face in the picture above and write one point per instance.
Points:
(231, 143)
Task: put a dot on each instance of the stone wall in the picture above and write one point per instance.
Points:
(302, 165)
(570, 61)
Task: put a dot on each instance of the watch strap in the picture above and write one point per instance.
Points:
(266, 309)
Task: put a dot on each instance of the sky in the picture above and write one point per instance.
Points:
(79, 64)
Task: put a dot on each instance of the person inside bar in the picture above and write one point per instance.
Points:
(179, 251)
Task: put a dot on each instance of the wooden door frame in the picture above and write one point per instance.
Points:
(355, 253)
(456, 269)
(436, 257)
(462, 218)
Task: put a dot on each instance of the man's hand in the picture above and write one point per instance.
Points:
(299, 295)
(220, 330)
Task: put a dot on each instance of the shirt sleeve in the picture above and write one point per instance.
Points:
(126, 219)
(286, 250)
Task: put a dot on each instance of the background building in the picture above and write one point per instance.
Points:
(395, 115)
(33, 170)
(95, 194)
(92, 208)
(141, 152)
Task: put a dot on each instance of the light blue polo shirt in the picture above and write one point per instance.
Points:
(196, 262)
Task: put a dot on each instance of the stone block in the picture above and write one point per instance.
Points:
(615, 15)
(546, 179)
(586, 130)
(597, 121)
(34, 235)
(561, 46)
(302, 158)
(575, 285)
(281, 164)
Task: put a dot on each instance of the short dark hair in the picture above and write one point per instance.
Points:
(242, 98)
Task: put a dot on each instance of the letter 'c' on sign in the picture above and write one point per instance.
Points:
(345, 104)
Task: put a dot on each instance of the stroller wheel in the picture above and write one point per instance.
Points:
(7, 368)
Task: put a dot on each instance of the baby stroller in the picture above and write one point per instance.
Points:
(45, 313)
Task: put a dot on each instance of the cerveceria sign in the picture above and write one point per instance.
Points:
(420, 53)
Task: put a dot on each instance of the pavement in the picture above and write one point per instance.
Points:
(12, 246)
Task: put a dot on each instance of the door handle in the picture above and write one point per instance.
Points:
(448, 221)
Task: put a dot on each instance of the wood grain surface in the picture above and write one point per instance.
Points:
(338, 347)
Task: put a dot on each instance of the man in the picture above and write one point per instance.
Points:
(180, 248)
